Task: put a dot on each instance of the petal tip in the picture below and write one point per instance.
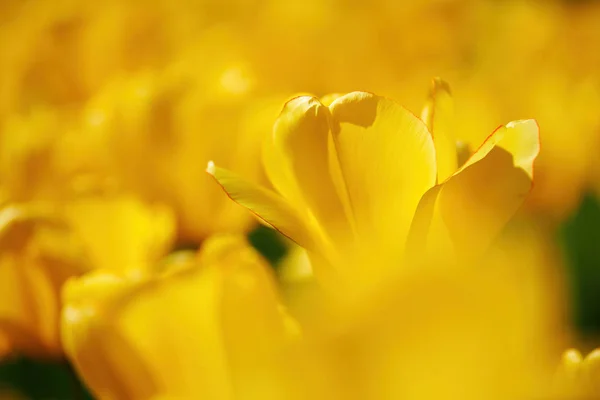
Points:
(512, 124)
(210, 168)
(439, 85)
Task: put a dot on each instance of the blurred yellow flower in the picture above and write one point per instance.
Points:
(534, 59)
(69, 49)
(204, 326)
(43, 245)
(36, 256)
(104, 114)
(157, 130)
(359, 177)
(130, 95)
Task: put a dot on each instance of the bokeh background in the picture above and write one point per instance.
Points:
(136, 96)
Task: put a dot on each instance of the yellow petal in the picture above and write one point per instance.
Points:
(277, 167)
(110, 365)
(32, 270)
(387, 160)
(473, 205)
(429, 240)
(330, 98)
(591, 371)
(567, 380)
(438, 115)
(265, 204)
(197, 329)
(280, 177)
(131, 339)
(253, 323)
(28, 307)
(301, 137)
(121, 233)
(520, 138)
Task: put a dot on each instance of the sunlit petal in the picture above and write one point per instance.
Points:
(473, 205)
(438, 115)
(265, 204)
(387, 160)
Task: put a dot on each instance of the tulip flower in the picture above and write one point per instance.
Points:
(111, 92)
(357, 180)
(157, 130)
(36, 257)
(203, 326)
(43, 245)
(68, 50)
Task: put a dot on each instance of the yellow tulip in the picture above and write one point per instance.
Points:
(69, 49)
(358, 178)
(205, 326)
(472, 204)
(156, 128)
(43, 245)
(111, 94)
(37, 256)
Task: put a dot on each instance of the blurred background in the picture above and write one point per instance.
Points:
(134, 97)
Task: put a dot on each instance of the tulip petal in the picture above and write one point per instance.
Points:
(119, 331)
(520, 138)
(429, 239)
(438, 115)
(110, 366)
(252, 338)
(301, 138)
(264, 203)
(201, 326)
(27, 323)
(591, 371)
(280, 177)
(471, 207)
(387, 160)
(33, 268)
(122, 232)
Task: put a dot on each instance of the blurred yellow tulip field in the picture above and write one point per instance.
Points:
(315, 199)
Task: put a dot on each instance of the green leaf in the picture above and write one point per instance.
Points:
(580, 236)
(269, 243)
(36, 379)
